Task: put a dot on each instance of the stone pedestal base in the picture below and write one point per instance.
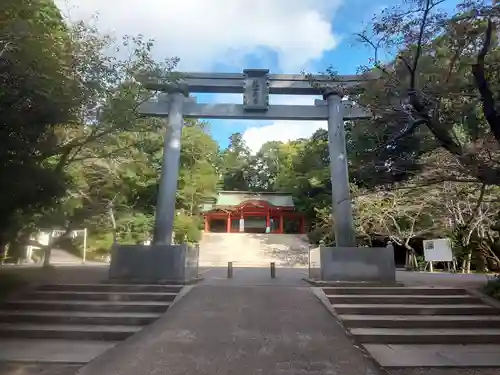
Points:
(154, 264)
(368, 264)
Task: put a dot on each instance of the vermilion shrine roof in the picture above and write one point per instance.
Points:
(229, 199)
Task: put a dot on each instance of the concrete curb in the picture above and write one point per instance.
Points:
(184, 291)
(145, 282)
(145, 331)
(318, 292)
(324, 284)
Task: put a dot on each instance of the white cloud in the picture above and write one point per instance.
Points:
(205, 32)
(284, 131)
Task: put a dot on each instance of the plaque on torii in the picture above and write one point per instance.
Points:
(256, 85)
(256, 94)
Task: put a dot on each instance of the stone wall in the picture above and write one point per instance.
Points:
(352, 264)
(156, 263)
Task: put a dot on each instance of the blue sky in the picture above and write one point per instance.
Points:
(345, 57)
(284, 36)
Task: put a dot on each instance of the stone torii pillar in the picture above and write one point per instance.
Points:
(345, 235)
(165, 209)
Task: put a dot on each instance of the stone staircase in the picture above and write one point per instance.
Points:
(419, 326)
(254, 250)
(78, 316)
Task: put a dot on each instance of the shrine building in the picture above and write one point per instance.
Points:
(252, 212)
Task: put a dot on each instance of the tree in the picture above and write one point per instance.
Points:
(400, 215)
(198, 177)
(37, 93)
(50, 117)
(472, 210)
(443, 77)
(235, 167)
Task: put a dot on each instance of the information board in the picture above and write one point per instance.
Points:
(438, 250)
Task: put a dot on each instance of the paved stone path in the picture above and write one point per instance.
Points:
(239, 330)
(255, 276)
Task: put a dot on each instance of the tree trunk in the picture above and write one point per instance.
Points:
(411, 260)
(408, 260)
(466, 262)
(17, 247)
(469, 259)
(113, 222)
(3, 254)
(47, 252)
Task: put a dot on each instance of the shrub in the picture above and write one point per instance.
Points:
(492, 288)
(8, 283)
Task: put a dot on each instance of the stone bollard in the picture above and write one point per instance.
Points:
(273, 270)
(229, 270)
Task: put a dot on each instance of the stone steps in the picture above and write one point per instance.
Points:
(405, 299)
(455, 336)
(119, 288)
(420, 321)
(100, 306)
(400, 356)
(52, 351)
(101, 296)
(82, 313)
(67, 332)
(417, 309)
(253, 250)
(397, 324)
(372, 289)
(77, 317)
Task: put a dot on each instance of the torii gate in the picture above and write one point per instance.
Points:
(256, 85)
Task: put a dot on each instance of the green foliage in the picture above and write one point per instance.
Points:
(187, 228)
(70, 168)
(235, 167)
(437, 90)
(492, 288)
(37, 92)
(134, 228)
(100, 243)
(9, 283)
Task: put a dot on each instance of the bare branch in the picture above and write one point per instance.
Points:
(478, 205)
(6, 47)
(428, 6)
(405, 132)
(487, 97)
(407, 64)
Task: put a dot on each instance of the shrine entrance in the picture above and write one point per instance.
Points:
(254, 216)
(256, 85)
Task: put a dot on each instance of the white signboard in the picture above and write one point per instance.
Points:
(438, 250)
